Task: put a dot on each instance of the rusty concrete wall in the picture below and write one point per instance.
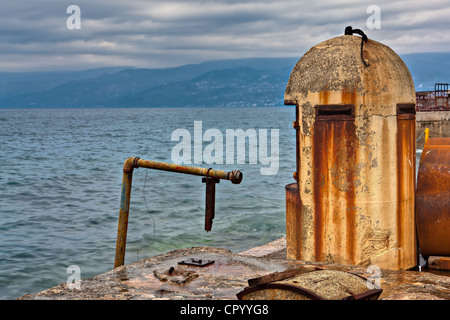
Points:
(356, 176)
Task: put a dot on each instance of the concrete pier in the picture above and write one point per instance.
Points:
(437, 121)
(162, 278)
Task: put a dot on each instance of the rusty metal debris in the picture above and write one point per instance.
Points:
(212, 177)
(439, 263)
(174, 276)
(309, 285)
(277, 276)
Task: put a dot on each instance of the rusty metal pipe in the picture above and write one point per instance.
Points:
(135, 162)
(234, 176)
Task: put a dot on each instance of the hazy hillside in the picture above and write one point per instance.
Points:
(118, 88)
(13, 84)
(242, 82)
(229, 87)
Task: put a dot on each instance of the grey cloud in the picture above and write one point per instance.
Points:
(159, 33)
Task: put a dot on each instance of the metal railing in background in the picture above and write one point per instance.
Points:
(437, 100)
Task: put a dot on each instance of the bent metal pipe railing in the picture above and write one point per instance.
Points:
(135, 162)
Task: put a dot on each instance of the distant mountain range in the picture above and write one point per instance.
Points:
(224, 83)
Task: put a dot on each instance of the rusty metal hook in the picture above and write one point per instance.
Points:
(350, 31)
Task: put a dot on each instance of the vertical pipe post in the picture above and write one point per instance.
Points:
(427, 134)
(128, 168)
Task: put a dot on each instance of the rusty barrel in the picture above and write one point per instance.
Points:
(433, 198)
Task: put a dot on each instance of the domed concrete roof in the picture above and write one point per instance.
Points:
(333, 72)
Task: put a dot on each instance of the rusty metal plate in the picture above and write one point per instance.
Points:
(335, 177)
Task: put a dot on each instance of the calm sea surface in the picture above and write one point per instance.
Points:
(60, 186)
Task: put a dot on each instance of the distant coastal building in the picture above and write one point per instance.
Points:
(437, 100)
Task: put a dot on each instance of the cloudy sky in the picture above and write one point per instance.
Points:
(162, 33)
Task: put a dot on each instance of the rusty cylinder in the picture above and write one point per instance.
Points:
(433, 198)
(355, 136)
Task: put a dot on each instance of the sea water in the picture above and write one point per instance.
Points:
(60, 188)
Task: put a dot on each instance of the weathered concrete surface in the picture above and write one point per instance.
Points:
(433, 116)
(221, 280)
(150, 279)
(274, 249)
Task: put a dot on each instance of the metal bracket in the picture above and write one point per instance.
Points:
(197, 262)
